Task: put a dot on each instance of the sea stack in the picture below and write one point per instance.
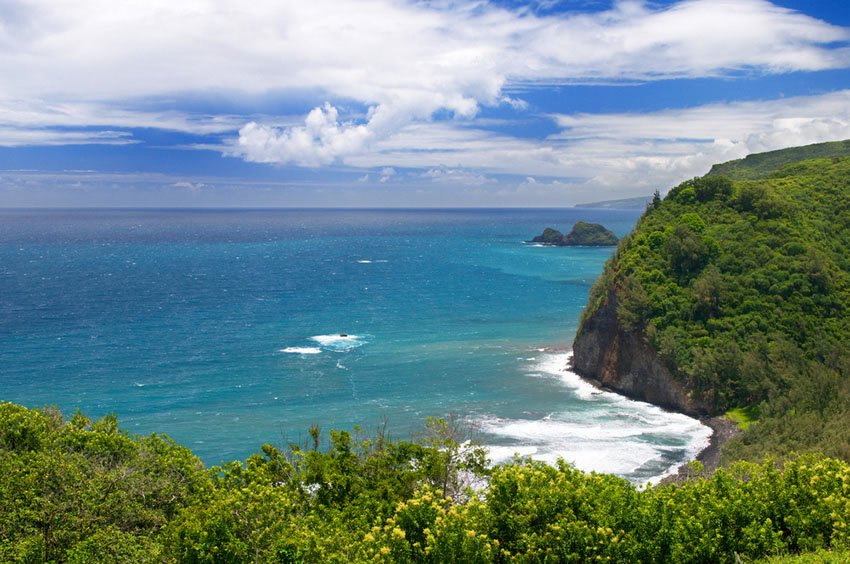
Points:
(583, 234)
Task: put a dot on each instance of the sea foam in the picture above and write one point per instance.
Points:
(339, 342)
(302, 350)
(611, 433)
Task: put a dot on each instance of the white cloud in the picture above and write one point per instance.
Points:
(404, 60)
(38, 122)
(321, 140)
(386, 174)
(515, 103)
(194, 187)
(19, 137)
(469, 54)
(619, 154)
(456, 176)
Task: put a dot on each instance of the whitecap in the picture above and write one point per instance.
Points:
(364, 261)
(340, 342)
(302, 350)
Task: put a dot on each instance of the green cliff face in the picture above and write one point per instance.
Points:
(737, 293)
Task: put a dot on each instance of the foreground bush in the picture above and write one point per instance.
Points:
(82, 491)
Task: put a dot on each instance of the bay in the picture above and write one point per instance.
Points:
(222, 329)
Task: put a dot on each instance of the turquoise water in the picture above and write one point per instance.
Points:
(222, 328)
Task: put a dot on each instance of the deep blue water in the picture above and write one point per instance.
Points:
(221, 328)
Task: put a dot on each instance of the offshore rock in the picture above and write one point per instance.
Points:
(583, 234)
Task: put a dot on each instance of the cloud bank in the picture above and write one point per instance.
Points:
(405, 61)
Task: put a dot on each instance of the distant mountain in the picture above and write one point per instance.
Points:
(625, 204)
(762, 165)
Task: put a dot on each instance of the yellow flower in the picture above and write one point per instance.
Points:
(385, 550)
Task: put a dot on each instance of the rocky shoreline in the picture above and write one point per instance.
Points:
(724, 430)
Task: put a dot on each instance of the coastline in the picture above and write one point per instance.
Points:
(724, 430)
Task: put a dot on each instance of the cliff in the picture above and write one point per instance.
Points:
(622, 360)
(735, 292)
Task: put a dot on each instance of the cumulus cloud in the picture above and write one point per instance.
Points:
(403, 60)
(620, 154)
(468, 55)
(321, 140)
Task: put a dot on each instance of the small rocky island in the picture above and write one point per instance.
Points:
(583, 234)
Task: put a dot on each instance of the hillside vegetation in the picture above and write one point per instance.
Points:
(743, 289)
(760, 165)
(86, 492)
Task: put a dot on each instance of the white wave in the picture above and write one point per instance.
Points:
(364, 261)
(609, 433)
(555, 364)
(340, 342)
(301, 350)
(502, 454)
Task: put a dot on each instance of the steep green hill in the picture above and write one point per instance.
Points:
(761, 165)
(737, 294)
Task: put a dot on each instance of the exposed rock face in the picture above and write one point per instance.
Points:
(622, 361)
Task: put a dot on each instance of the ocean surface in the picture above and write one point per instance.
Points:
(223, 329)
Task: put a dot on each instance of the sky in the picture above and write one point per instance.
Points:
(403, 103)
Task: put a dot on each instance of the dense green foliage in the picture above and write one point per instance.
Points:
(81, 491)
(582, 234)
(761, 165)
(743, 288)
(590, 235)
(817, 557)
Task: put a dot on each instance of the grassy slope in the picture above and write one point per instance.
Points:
(744, 290)
(761, 165)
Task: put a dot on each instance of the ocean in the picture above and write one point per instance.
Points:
(227, 329)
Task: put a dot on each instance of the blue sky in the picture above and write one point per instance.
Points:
(404, 103)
